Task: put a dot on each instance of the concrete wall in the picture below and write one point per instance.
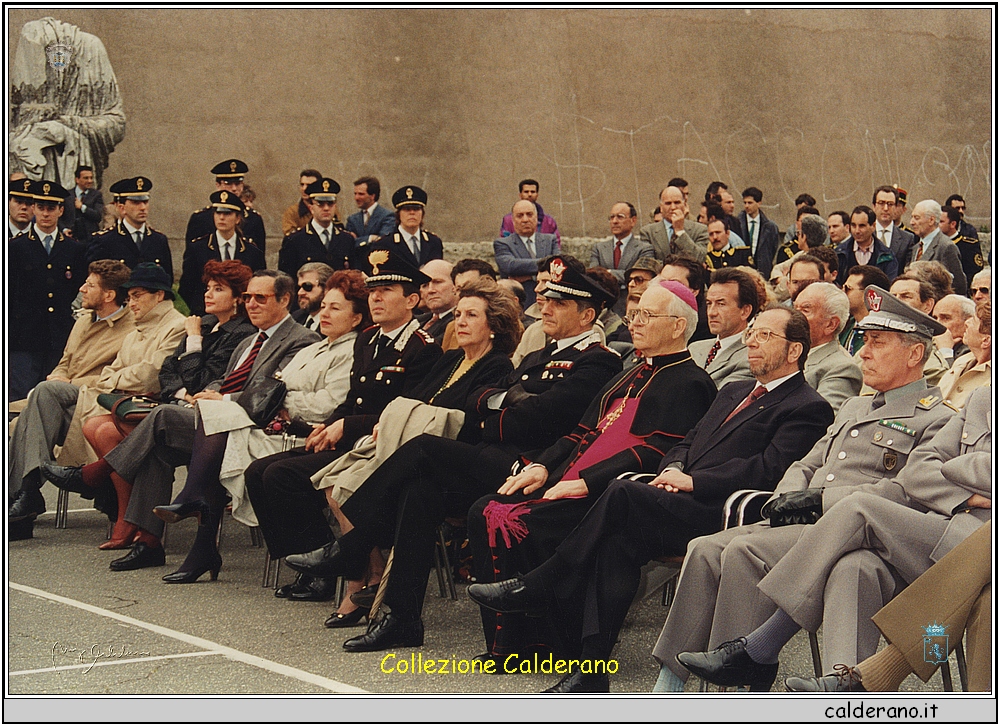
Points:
(598, 105)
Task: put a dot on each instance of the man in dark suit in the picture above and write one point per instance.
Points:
(933, 246)
(863, 248)
(676, 234)
(406, 500)
(372, 221)
(752, 432)
(761, 234)
(228, 178)
(885, 200)
(19, 203)
(409, 240)
(45, 269)
(84, 207)
(322, 239)
(391, 358)
(132, 240)
(162, 441)
(225, 243)
(439, 297)
(618, 254)
(517, 254)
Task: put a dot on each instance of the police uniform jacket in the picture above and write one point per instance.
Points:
(206, 248)
(547, 395)
(304, 245)
(971, 253)
(673, 394)
(41, 288)
(865, 447)
(431, 248)
(115, 243)
(376, 379)
(732, 257)
(202, 223)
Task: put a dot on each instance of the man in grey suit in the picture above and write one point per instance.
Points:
(619, 253)
(676, 234)
(731, 302)
(933, 246)
(886, 200)
(84, 208)
(162, 441)
(371, 222)
(869, 442)
(829, 369)
(517, 254)
(946, 495)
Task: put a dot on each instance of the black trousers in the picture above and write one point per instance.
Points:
(599, 564)
(289, 509)
(406, 499)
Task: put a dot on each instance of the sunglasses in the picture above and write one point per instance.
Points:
(307, 286)
(258, 297)
(981, 290)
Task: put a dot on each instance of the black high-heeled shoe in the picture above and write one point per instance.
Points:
(173, 513)
(185, 577)
(340, 620)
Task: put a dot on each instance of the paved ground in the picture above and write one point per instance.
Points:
(75, 627)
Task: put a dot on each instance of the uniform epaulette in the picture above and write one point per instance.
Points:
(207, 206)
(103, 231)
(952, 406)
(369, 328)
(868, 393)
(204, 236)
(929, 402)
(427, 337)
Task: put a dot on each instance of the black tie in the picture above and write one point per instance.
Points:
(384, 343)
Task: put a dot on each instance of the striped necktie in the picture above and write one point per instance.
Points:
(236, 380)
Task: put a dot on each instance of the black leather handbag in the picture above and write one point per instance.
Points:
(262, 399)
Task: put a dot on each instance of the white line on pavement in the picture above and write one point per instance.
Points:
(98, 664)
(194, 641)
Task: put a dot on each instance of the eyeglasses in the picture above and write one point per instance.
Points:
(637, 279)
(307, 286)
(137, 294)
(762, 335)
(883, 203)
(642, 316)
(258, 297)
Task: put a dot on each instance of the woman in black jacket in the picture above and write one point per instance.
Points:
(201, 358)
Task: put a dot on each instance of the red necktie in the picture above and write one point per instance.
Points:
(713, 352)
(759, 391)
(920, 250)
(618, 253)
(235, 381)
(431, 320)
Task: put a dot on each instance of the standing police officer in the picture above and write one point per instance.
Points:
(228, 177)
(44, 272)
(132, 240)
(410, 240)
(323, 238)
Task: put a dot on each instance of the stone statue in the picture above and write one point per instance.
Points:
(65, 106)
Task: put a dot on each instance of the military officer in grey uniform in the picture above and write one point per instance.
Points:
(869, 442)
(228, 177)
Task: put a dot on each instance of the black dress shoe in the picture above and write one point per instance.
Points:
(507, 596)
(173, 513)
(68, 478)
(341, 620)
(21, 529)
(365, 597)
(141, 555)
(327, 561)
(390, 632)
(28, 505)
(729, 665)
(299, 583)
(319, 589)
(578, 682)
(842, 679)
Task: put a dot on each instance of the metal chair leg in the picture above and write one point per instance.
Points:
(669, 589)
(442, 561)
(817, 660)
(268, 580)
(963, 668)
(62, 508)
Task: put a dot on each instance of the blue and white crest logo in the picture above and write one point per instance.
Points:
(935, 643)
(59, 54)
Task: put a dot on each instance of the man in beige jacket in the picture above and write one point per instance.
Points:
(95, 340)
(58, 408)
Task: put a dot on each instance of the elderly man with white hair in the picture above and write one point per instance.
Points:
(829, 368)
(952, 311)
(932, 245)
(975, 368)
(981, 285)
